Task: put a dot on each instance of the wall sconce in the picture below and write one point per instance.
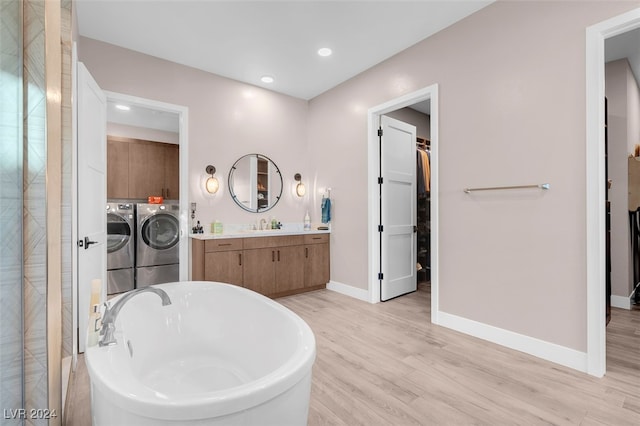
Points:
(212, 184)
(300, 189)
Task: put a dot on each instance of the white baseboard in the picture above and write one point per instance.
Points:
(548, 351)
(620, 302)
(348, 290)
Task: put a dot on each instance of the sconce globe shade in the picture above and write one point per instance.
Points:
(300, 189)
(212, 185)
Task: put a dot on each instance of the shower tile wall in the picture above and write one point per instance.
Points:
(11, 390)
(67, 308)
(34, 223)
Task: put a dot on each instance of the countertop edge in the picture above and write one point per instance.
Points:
(209, 236)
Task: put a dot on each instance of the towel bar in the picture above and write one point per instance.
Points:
(499, 188)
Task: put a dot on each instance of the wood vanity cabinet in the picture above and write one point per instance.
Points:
(274, 266)
(137, 168)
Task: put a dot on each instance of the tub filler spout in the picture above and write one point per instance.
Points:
(109, 321)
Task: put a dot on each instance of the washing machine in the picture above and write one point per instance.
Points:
(120, 247)
(157, 243)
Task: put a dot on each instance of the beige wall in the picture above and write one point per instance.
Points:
(227, 119)
(512, 111)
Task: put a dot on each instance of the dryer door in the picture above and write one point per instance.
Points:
(161, 231)
(119, 242)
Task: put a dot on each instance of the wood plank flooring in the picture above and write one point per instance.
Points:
(385, 364)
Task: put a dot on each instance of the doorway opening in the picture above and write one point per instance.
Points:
(179, 114)
(595, 184)
(376, 256)
(81, 293)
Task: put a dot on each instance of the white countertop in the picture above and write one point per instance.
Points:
(257, 233)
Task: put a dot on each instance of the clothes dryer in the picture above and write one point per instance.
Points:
(157, 248)
(120, 247)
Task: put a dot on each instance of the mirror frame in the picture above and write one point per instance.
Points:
(235, 197)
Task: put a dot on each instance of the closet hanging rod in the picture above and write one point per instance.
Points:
(500, 188)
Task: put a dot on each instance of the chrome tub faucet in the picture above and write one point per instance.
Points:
(111, 313)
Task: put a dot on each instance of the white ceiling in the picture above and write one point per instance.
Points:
(139, 116)
(245, 40)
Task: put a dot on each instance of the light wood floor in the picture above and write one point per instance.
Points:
(385, 364)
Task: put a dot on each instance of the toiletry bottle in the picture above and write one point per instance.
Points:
(274, 223)
(217, 227)
(307, 222)
(95, 322)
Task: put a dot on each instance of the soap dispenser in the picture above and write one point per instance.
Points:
(307, 221)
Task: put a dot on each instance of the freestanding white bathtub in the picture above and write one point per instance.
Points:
(218, 355)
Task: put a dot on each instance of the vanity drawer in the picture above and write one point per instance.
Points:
(316, 239)
(270, 242)
(223, 244)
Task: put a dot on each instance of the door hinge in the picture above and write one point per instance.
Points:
(380, 228)
(380, 275)
(380, 181)
(379, 132)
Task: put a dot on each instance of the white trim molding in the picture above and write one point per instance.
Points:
(348, 290)
(595, 184)
(373, 120)
(548, 351)
(621, 302)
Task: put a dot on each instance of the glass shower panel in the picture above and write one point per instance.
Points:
(11, 202)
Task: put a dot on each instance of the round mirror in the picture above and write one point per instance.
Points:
(255, 183)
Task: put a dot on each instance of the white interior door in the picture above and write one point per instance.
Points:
(92, 194)
(398, 208)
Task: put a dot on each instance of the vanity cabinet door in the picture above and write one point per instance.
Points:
(289, 268)
(224, 267)
(259, 270)
(316, 264)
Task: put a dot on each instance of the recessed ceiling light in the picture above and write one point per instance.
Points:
(123, 107)
(325, 51)
(267, 79)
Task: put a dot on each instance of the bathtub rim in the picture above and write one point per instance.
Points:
(134, 396)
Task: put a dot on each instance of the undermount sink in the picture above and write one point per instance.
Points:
(262, 231)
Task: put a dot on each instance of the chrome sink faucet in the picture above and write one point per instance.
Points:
(263, 224)
(109, 321)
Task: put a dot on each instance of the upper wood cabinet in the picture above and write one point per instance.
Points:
(117, 169)
(138, 168)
